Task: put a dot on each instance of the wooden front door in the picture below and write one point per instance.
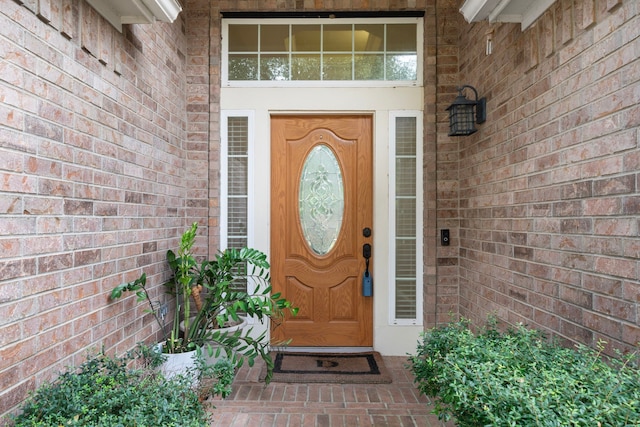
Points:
(321, 204)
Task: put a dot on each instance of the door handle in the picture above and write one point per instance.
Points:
(367, 280)
(366, 252)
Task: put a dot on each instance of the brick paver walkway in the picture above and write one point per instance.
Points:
(331, 405)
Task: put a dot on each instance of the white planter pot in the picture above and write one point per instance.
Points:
(178, 363)
(210, 349)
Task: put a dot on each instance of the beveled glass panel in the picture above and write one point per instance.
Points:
(237, 243)
(238, 167)
(406, 136)
(274, 67)
(406, 258)
(237, 216)
(406, 299)
(405, 176)
(305, 38)
(238, 136)
(336, 67)
(243, 38)
(402, 67)
(406, 217)
(243, 67)
(337, 38)
(274, 38)
(401, 38)
(321, 199)
(369, 67)
(305, 67)
(369, 38)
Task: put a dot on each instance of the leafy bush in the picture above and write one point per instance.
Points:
(517, 378)
(104, 391)
(215, 379)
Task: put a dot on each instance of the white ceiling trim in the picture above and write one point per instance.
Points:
(524, 12)
(119, 12)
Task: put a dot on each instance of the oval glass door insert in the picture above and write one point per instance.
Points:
(321, 199)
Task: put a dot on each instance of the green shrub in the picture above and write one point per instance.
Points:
(216, 379)
(105, 391)
(518, 378)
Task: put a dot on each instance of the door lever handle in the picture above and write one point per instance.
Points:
(367, 280)
(366, 251)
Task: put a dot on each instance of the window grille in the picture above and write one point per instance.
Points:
(280, 51)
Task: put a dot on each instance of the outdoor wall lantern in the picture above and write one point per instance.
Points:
(464, 113)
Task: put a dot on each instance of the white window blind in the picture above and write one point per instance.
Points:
(406, 214)
(237, 173)
(235, 187)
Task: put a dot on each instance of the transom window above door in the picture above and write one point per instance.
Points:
(286, 52)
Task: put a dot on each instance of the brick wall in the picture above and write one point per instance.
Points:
(446, 197)
(549, 186)
(93, 181)
(109, 147)
(198, 118)
(432, 37)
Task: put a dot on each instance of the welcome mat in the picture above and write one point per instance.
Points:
(336, 368)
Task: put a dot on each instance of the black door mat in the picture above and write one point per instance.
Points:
(332, 368)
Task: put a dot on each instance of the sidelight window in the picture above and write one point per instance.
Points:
(235, 191)
(406, 218)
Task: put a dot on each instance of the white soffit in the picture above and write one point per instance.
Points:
(524, 12)
(119, 12)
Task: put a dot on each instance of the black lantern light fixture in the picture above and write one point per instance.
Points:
(464, 113)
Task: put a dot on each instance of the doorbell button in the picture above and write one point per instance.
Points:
(444, 237)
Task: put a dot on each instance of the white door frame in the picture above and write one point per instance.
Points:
(389, 339)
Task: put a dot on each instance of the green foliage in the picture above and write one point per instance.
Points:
(224, 282)
(105, 392)
(517, 378)
(182, 284)
(215, 379)
(139, 287)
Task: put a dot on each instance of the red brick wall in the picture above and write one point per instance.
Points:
(94, 175)
(198, 147)
(549, 186)
(446, 197)
(109, 147)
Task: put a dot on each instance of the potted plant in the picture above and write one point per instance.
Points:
(181, 354)
(232, 287)
(213, 287)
